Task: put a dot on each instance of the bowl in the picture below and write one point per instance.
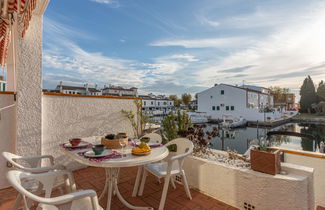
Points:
(110, 136)
(98, 149)
(75, 141)
(145, 139)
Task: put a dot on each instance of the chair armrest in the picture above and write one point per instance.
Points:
(44, 169)
(65, 198)
(180, 156)
(30, 159)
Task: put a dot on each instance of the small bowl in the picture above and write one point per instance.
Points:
(110, 136)
(75, 141)
(145, 139)
(121, 136)
(98, 149)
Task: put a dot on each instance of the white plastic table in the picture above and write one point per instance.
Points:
(112, 167)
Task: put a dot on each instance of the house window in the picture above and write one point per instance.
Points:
(218, 108)
(213, 108)
(211, 97)
(227, 108)
(145, 103)
(222, 92)
(151, 102)
(158, 103)
(232, 108)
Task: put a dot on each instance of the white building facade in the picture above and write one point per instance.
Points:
(112, 90)
(2, 84)
(85, 90)
(227, 100)
(157, 105)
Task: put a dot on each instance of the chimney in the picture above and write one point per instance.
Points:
(96, 86)
(61, 88)
(86, 86)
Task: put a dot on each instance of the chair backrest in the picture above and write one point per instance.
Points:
(16, 178)
(154, 137)
(183, 145)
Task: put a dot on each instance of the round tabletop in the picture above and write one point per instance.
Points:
(127, 160)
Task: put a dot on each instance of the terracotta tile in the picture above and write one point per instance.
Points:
(94, 178)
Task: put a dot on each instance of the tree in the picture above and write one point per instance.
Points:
(186, 98)
(321, 91)
(279, 94)
(177, 101)
(308, 95)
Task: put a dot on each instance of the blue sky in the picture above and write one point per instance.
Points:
(177, 46)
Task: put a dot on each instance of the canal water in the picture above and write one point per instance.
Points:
(240, 139)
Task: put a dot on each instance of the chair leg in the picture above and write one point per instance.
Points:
(173, 182)
(143, 181)
(17, 202)
(187, 189)
(164, 193)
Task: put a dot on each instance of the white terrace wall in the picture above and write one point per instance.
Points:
(7, 133)
(319, 178)
(236, 186)
(65, 117)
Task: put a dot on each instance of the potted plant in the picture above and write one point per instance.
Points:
(265, 159)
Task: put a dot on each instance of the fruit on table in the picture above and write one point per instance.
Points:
(144, 145)
(140, 150)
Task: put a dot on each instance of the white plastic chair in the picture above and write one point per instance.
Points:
(86, 199)
(32, 164)
(169, 168)
(154, 137)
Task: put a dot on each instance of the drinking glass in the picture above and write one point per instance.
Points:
(123, 144)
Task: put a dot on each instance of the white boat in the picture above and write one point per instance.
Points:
(198, 117)
(151, 126)
(229, 121)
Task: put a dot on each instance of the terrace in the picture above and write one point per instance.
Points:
(35, 123)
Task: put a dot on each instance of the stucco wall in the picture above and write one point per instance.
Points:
(7, 133)
(29, 87)
(238, 186)
(65, 117)
(319, 165)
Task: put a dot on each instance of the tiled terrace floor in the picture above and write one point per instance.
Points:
(93, 178)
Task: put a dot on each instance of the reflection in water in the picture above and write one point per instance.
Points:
(240, 139)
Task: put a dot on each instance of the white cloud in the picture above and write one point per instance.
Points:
(205, 21)
(103, 1)
(284, 57)
(227, 42)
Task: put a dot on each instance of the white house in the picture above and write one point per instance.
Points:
(2, 84)
(85, 90)
(112, 90)
(156, 105)
(244, 101)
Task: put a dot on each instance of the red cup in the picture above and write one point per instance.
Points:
(75, 141)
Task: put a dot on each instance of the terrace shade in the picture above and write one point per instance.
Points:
(11, 11)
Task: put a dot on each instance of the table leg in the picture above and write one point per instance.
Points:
(137, 181)
(112, 186)
(105, 187)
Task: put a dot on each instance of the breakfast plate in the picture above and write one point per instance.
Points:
(92, 153)
(141, 153)
(81, 144)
